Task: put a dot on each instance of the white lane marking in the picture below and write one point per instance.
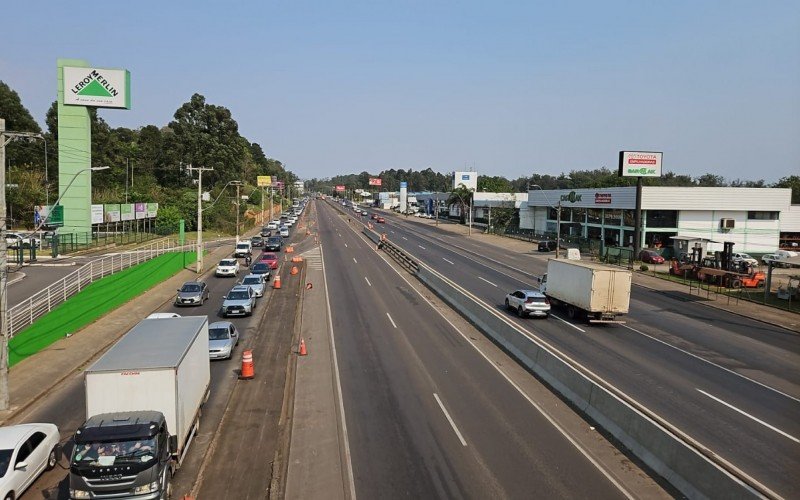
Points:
(392, 231)
(422, 247)
(405, 238)
(568, 323)
(484, 279)
(452, 424)
(368, 283)
(712, 363)
(354, 260)
(749, 416)
(449, 261)
(343, 420)
(390, 319)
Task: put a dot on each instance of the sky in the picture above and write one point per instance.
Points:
(502, 88)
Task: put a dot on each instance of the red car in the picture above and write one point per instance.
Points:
(650, 257)
(380, 219)
(270, 259)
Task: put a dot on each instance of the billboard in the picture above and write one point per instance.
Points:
(152, 210)
(97, 87)
(126, 211)
(111, 212)
(141, 210)
(375, 181)
(97, 214)
(640, 163)
(468, 179)
(264, 181)
(339, 188)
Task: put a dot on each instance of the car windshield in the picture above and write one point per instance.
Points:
(251, 281)
(274, 240)
(269, 256)
(259, 266)
(104, 454)
(227, 263)
(5, 459)
(242, 245)
(190, 288)
(238, 295)
(218, 334)
(536, 299)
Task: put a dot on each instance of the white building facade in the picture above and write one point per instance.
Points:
(749, 217)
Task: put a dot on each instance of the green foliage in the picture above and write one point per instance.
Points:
(495, 184)
(18, 119)
(168, 218)
(793, 182)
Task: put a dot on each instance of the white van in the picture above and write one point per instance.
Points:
(243, 249)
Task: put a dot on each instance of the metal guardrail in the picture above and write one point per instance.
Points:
(24, 314)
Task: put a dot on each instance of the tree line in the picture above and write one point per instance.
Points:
(148, 164)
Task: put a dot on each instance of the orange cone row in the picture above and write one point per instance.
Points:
(277, 282)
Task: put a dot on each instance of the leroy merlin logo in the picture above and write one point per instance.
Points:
(95, 85)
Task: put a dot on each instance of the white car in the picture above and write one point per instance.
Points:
(273, 225)
(26, 450)
(227, 267)
(284, 232)
(528, 303)
(15, 240)
(743, 257)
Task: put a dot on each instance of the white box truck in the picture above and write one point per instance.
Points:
(143, 403)
(598, 292)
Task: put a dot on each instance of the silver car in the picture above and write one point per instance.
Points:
(222, 339)
(256, 282)
(528, 303)
(192, 293)
(240, 301)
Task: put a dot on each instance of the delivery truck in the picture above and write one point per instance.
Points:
(586, 289)
(143, 404)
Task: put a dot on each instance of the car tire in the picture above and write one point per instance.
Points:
(508, 306)
(52, 459)
(10, 496)
(520, 312)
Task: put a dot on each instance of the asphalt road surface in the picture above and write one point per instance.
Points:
(731, 383)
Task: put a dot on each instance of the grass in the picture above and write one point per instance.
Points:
(93, 302)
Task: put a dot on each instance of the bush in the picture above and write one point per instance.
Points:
(643, 267)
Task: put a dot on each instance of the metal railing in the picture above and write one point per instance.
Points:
(22, 315)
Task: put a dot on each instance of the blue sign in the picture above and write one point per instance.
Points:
(403, 185)
(464, 177)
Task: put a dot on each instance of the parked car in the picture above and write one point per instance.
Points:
(528, 303)
(743, 257)
(256, 282)
(26, 450)
(163, 315)
(192, 293)
(284, 232)
(650, 257)
(227, 267)
(261, 268)
(779, 258)
(547, 246)
(257, 241)
(273, 244)
(17, 240)
(222, 339)
(240, 301)
(270, 259)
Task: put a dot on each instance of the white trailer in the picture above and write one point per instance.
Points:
(600, 292)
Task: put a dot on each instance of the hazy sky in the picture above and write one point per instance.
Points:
(509, 88)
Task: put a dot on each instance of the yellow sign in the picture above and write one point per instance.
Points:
(264, 180)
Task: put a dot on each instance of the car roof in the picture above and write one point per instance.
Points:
(193, 283)
(240, 288)
(532, 293)
(220, 324)
(269, 254)
(11, 435)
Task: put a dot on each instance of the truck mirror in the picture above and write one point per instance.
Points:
(173, 444)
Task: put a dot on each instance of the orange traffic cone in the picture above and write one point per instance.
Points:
(294, 270)
(277, 282)
(303, 351)
(248, 370)
(297, 259)
(289, 249)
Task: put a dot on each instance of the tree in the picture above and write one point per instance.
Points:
(792, 182)
(462, 196)
(711, 180)
(495, 184)
(19, 119)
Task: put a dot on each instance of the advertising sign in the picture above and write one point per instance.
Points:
(375, 181)
(100, 88)
(640, 163)
(97, 214)
(602, 198)
(403, 197)
(111, 212)
(152, 210)
(340, 188)
(48, 216)
(264, 181)
(140, 210)
(126, 211)
(468, 179)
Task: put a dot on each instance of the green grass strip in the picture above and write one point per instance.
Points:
(93, 302)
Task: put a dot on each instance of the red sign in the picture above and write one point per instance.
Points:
(602, 198)
(340, 188)
(374, 181)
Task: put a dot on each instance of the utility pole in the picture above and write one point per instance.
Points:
(3, 270)
(558, 228)
(238, 200)
(270, 202)
(200, 171)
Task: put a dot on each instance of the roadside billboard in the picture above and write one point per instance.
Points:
(140, 209)
(468, 179)
(264, 181)
(375, 181)
(97, 214)
(112, 213)
(640, 163)
(339, 188)
(152, 210)
(126, 211)
(97, 87)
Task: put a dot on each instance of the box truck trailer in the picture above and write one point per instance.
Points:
(143, 404)
(598, 292)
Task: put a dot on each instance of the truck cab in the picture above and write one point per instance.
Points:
(122, 455)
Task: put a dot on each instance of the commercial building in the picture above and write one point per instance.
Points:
(752, 218)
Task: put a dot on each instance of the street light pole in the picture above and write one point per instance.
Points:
(200, 171)
(558, 218)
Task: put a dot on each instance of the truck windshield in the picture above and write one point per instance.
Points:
(104, 454)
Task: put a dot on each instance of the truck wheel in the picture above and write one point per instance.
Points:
(507, 306)
(572, 312)
(520, 312)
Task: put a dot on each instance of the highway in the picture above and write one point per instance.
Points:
(427, 415)
(729, 382)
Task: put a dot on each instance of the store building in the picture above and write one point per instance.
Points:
(749, 217)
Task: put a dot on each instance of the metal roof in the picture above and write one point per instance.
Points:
(153, 343)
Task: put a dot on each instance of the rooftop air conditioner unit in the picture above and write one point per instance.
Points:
(727, 223)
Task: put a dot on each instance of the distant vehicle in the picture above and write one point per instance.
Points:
(284, 232)
(192, 293)
(779, 258)
(261, 268)
(243, 249)
(650, 257)
(547, 246)
(270, 259)
(273, 244)
(743, 257)
(17, 240)
(380, 219)
(227, 267)
(265, 233)
(274, 224)
(373, 216)
(26, 450)
(240, 301)
(256, 282)
(528, 303)
(257, 241)
(222, 339)
(163, 316)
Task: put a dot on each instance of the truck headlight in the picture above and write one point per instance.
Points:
(78, 493)
(147, 488)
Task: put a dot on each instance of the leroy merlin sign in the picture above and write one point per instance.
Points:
(101, 88)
